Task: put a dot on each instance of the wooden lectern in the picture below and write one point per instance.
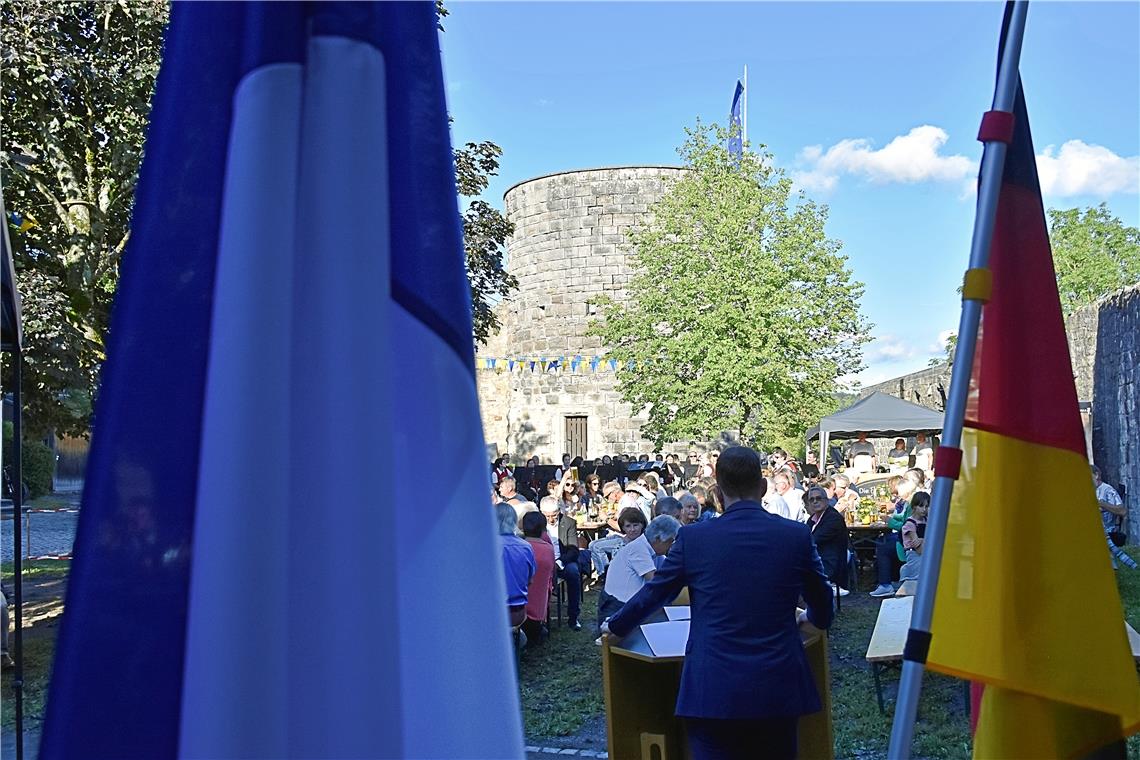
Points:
(641, 694)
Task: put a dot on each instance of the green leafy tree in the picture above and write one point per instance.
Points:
(485, 229)
(742, 313)
(485, 232)
(76, 85)
(1094, 254)
(950, 345)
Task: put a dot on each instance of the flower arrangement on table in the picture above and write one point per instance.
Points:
(868, 511)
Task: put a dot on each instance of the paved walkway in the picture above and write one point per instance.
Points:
(32, 748)
(31, 743)
(548, 753)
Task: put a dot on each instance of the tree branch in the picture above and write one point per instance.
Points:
(45, 191)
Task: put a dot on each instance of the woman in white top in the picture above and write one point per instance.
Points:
(633, 566)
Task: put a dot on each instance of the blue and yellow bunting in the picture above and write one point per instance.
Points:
(575, 364)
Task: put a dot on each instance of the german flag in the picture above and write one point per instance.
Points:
(1026, 602)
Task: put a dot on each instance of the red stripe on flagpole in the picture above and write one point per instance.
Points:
(948, 462)
(997, 126)
(977, 688)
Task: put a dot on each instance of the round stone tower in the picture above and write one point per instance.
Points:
(568, 247)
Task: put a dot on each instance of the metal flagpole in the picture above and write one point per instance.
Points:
(744, 112)
(993, 164)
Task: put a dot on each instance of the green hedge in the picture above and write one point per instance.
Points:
(38, 463)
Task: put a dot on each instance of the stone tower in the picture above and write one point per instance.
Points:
(569, 246)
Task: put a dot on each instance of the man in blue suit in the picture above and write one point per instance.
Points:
(746, 679)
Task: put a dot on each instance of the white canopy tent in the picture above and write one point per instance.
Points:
(879, 415)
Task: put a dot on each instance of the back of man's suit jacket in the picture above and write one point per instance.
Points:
(745, 571)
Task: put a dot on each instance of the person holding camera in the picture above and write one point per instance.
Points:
(1112, 514)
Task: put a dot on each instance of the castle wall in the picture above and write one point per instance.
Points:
(930, 387)
(1104, 346)
(1116, 398)
(569, 246)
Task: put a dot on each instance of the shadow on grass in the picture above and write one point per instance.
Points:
(561, 679)
(38, 653)
(861, 731)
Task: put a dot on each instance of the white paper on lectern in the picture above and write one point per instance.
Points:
(678, 612)
(667, 639)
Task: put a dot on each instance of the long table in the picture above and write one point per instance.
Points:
(641, 695)
(862, 540)
(885, 650)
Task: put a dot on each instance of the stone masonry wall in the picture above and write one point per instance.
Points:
(569, 246)
(1116, 398)
(1104, 346)
(930, 387)
(927, 387)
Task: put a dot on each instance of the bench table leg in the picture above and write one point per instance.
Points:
(876, 669)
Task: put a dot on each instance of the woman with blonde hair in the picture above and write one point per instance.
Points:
(913, 535)
(889, 553)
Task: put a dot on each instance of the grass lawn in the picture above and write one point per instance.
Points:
(38, 652)
(561, 684)
(1128, 581)
(50, 501)
(943, 729)
(562, 679)
(35, 568)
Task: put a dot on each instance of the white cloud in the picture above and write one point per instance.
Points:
(815, 180)
(1082, 169)
(868, 377)
(939, 347)
(913, 157)
(888, 348)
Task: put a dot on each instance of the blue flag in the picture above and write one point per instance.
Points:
(736, 139)
(256, 572)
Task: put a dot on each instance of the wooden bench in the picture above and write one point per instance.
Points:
(885, 649)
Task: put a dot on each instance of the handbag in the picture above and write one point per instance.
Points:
(1118, 536)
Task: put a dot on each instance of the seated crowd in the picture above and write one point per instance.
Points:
(637, 517)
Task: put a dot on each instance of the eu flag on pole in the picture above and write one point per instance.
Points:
(257, 572)
(736, 139)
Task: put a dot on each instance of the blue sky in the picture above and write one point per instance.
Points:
(873, 107)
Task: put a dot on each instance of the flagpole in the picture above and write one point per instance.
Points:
(744, 111)
(993, 164)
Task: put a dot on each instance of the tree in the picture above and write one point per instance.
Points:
(1094, 254)
(742, 313)
(485, 229)
(76, 87)
(485, 232)
(950, 345)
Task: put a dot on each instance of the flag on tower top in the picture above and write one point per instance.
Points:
(736, 138)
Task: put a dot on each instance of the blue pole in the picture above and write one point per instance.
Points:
(993, 164)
